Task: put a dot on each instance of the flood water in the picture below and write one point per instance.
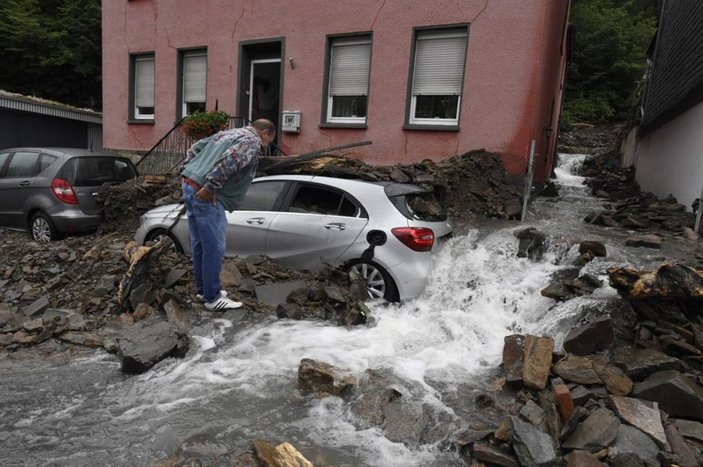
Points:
(239, 381)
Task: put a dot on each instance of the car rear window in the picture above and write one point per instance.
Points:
(96, 170)
(415, 202)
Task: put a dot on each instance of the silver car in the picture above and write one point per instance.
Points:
(308, 221)
(54, 191)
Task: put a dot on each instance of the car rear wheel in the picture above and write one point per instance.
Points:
(156, 234)
(379, 283)
(42, 229)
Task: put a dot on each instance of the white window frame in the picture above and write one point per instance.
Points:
(454, 84)
(200, 88)
(144, 85)
(338, 42)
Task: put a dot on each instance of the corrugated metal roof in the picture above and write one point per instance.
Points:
(43, 107)
(676, 82)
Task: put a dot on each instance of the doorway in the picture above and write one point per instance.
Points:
(260, 88)
(264, 84)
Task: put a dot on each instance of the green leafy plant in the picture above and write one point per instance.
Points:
(200, 125)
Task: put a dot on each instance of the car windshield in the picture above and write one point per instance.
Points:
(96, 170)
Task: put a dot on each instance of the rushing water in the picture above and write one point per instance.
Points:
(239, 381)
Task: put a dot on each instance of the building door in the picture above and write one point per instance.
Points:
(264, 85)
(260, 88)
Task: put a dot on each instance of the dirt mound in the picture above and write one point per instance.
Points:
(466, 186)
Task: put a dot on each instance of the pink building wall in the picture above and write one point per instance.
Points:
(512, 85)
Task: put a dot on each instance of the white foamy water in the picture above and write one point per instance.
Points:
(239, 382)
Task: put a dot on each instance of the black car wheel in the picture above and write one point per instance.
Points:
(379, 283)
(42, 229)
(156, 234)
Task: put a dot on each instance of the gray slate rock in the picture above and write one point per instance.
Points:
(149, 341)
(690, 429)
(532, 446)
(643, 415)
(594, 247)
(487, 453)
(648, 241)
(594, 433)
(632, 441)
(640, 363)
(592, 337)
(677, 395)
(400, 408)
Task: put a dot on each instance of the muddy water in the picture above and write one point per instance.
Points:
(239, 381)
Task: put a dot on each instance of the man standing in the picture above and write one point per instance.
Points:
(217, 173)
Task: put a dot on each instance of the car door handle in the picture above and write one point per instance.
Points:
(24, 183)
(336, 226)
(255, 220)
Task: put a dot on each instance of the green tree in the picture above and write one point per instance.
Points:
(610, 40)
(52, 49)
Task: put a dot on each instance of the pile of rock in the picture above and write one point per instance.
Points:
(69, 291)
(629, 207)
(471, 184)
(626, 390)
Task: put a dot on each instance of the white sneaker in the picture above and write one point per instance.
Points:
(223, 293)
(223, 303)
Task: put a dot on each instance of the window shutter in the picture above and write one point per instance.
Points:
(144, 81)
(349, 69)
(439, 63)
(194, 77)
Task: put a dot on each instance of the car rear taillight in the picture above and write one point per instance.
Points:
(63, 191)
(415, 238)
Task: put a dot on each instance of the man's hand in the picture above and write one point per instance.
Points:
(205, 195)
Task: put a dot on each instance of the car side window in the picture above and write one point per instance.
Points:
(45, 160)
(3, 158)
(320, 200)
(23, 164)
(261, 196)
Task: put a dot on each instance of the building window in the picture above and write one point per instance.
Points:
(348, 82)
(193, 81)
(437, 76)
(143, 87)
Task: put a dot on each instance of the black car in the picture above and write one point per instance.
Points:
(54, 191)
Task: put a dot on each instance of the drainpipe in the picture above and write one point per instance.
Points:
(528, 182)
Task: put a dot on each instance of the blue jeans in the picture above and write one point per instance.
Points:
(207, 225)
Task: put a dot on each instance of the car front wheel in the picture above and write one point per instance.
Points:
(43, 229)
(379, 283)
(156, 234)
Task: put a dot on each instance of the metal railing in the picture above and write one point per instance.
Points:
(167, 154)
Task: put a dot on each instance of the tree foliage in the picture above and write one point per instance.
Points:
(52, 49)
(609, 57)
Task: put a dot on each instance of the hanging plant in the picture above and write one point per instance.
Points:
(200, 125)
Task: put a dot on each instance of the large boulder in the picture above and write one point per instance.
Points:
(631, 441)
(402, 409)
(643, 415)
(537, 362)
(594, 433)
(589, 338)
(513, 357)
(323, 379)
(676, 394)
(149, 341)
(669, 281)
(640, 363)
(532, 446)
(532, 244)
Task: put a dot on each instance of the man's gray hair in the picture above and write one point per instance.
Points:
(263, 124)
